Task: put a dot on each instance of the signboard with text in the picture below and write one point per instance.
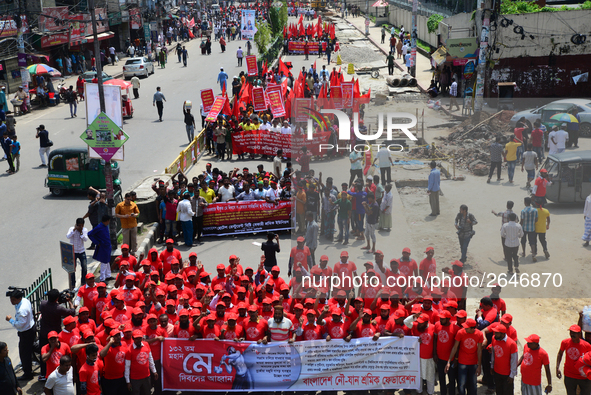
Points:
(104, 136)
(207, 99)
(251, 65)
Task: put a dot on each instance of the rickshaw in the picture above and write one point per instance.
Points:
(570, 173)
(72, 168)
(126, 106)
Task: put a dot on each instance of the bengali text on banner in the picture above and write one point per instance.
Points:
(245, 217)
(251, 65)
(265, 142)
(317, 365)
(258, 99)
(276, 103)
(207, 98)
(216, 109)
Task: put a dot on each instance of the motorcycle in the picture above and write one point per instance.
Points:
(61, 88)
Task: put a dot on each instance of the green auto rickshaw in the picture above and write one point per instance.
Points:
(570, 173)
(72, 168)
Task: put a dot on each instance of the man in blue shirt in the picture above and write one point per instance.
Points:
(222, 78)
(433, 189)
(101, 237)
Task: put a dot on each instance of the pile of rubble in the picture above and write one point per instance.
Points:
(470, 143)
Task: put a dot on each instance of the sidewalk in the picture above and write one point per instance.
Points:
(424, 73)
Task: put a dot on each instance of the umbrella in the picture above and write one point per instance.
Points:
(122, 83)
(40, 68)
(564, 117)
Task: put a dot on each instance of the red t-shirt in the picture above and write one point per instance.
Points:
(503, 350)
(298, 255)
(531, 366)
(396, 329)
(365, 330)
(99, 305)
(70, 338)
(312, 331)
(407, 268)
(337, 330)
(88, 295)
(468, 354)
(235, 333)
(121, 316)
(445, 339)
(345, 271)
(573, 351)
(541, 184)
(167, 257)
(54, 359)
(583, 369)
(131, 260)
(427, 266)
(131, 296)
(140, 361)
(91, 324)
(210, 333)
(183, 333)
(115, 362)
(536, 137)
(151, 334)
(381, 324)
(499, 304)
(255, 331)
(90, 375)
(427, 340)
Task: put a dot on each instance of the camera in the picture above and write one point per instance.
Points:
(16, 292)
(65, 295)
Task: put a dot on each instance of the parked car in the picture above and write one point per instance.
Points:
(137, 66)
(89, 75)
(584, 106)
(570, 173)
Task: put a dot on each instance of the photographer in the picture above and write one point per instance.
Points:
(24, 323)
(52, 313)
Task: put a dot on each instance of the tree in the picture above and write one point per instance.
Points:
(262, 37)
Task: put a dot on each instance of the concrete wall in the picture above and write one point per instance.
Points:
(400, 17)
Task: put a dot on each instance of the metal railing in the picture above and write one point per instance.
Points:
(36, 292)
(188, 156)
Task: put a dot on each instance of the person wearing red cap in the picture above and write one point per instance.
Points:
(428, 265)
(499, 303)
(506, 320)
(362, 326)
(108, 327)
(124, 257)
(87, 293)
(120, 313)
(300, 254)
(468, 348)
(444, 335)
(84, 319)
(345, 271)
(395, 326)
(406, 266)
(130, 293)
(221, 277)
(486, 315)
(540, 185)
(155, 262)
(168, 255)
(208, 328)
(183, 329)
(574, 347)
(154, 336)
(113, 357)
(504, 361)
(53, 351)
(231, 330)
(138, 365)
(90, 371)
(70, 334)
(419, 326)
(531, 362)
(256, 327)
(312, 330)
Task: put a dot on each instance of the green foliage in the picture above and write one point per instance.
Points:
(283, 15)
(433, 22)
(526, 7)
(276, 27)
(262, 37)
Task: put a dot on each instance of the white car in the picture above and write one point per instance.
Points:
(584, 106)
(137, 66)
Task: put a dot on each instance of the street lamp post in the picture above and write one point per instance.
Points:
(101, 92)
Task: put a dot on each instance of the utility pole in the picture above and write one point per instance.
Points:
(484, 6)
(101, 92)
(413, 39)
(22, 60)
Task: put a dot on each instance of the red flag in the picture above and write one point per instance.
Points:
(245, 93)
(236, 108)
(283, 67)
(227, 110)
(314, 65)
(322, 94)
(284, 31)
(331, 29)
(356, 92)
(302, 31)
(301, 19)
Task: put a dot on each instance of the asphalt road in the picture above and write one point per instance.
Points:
(35, 221)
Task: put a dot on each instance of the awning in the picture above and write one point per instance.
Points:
(90, 38)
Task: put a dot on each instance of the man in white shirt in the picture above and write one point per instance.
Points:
(404, 50)
(512, 232)
(277, 163)
(280, 328)
(552, 149)
(286, 129)
(78, 235)
(24, 323)
(384, 162)
(560, 138)
(276, 128)
(186, 214)
(112, 54)
(226, 192)
(61, 380)
(272, 194)
(135, 85)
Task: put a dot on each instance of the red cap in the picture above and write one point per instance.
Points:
(423, 318)
(127, 327)
(240, 290)
(137, 333)
(69, 319)
(341, 293)
(300, 239)
(203, 274)
(253, 307)
(232, 257)
(242, 305)
(406, 249)
(367, 311)
(171, 241)
(457, 263)
(500, 328)
(90, 275)
(507, 318)
(461, 314)
(324, 258)
(316, 271)
(184, 312)
(83, 309)
(137, 311)
(146, 262)
(233, 316)
(101, 285)
(151, 317)
(416, 309)
(129, 278)
(429, 249)
(543, 171)
(51, 334)
(267, 301)
(124, 246)
(385, 307)
(109, 323)
(172, 288)
(154, 273)
(275, 269)
(378, 252)
(311, 311)
(533, 338)
(220, 303)
(220, 267)
(368, 263)
(170, 302)
(575, 328)
(344, 253)
(191, 273)
(87, 334)
(452, 303)
(284, 287)
(470, 323)
(195, 312)
(211, 317)
(428, 297)
(270, 282)
(445, 314)
(298, 306)
(159, 292)
(192, 254)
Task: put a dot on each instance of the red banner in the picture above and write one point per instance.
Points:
(297, 47)
(251, 65)
(336, 94)
(258, 99)
(216, 109)
(300, 105)
(8, 26)
(276, 103)
(47, 23)
(207, 98)
(135, 18)
(265, 142)
(347, 89)
(222, 219)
